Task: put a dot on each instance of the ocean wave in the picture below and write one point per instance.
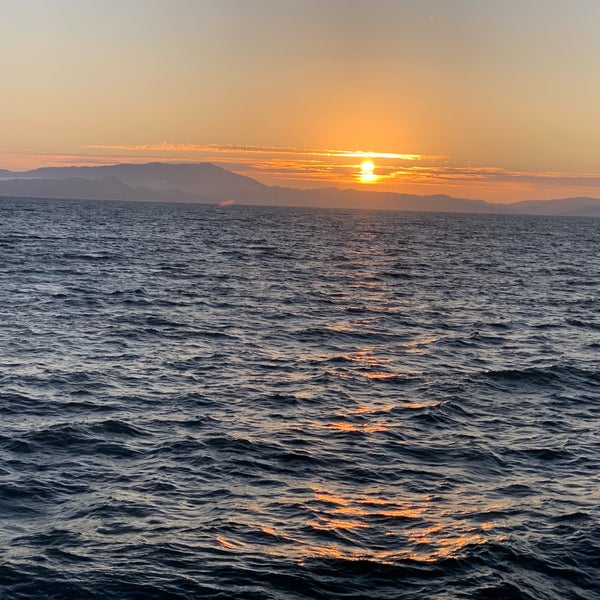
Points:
(292, 404)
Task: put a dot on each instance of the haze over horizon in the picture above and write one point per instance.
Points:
(475, 100)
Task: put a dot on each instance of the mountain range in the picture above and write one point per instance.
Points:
(209, 183)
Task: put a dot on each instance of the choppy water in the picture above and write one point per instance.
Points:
(204, 402)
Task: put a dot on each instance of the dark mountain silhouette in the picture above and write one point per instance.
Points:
(206, 182)
(351, 198)
(565, 206)
(198, 178)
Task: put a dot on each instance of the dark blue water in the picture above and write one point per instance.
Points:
(270, 403)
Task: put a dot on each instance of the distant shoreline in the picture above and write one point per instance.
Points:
(206, 183)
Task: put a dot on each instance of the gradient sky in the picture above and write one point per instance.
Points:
(475, 98)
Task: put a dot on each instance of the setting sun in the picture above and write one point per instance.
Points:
(367, 175)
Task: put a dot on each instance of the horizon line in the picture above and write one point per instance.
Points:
(309, 189)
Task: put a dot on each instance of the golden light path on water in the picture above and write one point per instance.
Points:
(426, 528)
(420, 531)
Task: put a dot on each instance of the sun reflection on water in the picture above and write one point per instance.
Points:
(419, 345)
(352, 427)
(364, 409)
(382, 414)
(420, 531)
(426, 530)
(383, 524)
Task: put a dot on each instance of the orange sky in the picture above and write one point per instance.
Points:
(476, 99)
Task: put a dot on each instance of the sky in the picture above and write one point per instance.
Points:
(472, 98)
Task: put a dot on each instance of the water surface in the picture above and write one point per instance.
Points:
(243, 402)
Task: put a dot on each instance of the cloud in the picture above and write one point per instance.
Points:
(391, 176)
(491, 175)
(264, 150)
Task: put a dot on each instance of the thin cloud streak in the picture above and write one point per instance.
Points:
(265, 150)
(491, 174)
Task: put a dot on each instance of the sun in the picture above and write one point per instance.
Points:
(367, 171)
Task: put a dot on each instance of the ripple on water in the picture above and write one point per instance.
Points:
(251, 402)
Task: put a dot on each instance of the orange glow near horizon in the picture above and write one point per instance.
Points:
(439, 122)
(397, 172)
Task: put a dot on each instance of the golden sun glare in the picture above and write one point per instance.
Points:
(367, 172)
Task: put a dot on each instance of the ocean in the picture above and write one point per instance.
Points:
(284, 403)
